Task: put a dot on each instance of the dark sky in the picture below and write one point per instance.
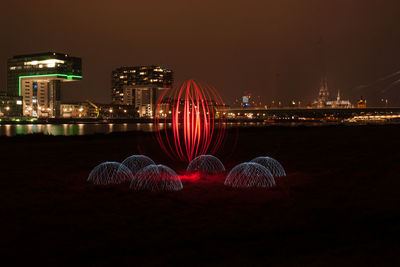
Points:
(278, 49)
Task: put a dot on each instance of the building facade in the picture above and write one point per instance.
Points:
(339, 103)
(37, 78)
(362, 103)
(323, 98)
(323, 95)
(140, 87)
(76, 110)
(10, 106)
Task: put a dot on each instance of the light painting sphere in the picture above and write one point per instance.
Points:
(250, 174)
(110, 173)
(272, 165)
(156, 178)
(197, 115)
(206, 164)
(137, 162)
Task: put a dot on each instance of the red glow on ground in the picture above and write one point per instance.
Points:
(190, 177)
(199, 176)
(198, 127)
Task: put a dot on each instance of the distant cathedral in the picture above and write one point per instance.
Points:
(323, 98)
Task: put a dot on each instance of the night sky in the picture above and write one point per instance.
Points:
(278, 49)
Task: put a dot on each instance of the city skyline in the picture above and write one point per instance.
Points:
(34, 90)
(277, 50)
(200, 132)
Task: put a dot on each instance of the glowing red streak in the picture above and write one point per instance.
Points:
(196, 128)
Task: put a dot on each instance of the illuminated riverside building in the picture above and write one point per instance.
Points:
(323, 95)
(90, 110)
(362, 103)
(37, 78)
(140, 87)
(339, 103)
(76, 110)
(10, 106)
(323, 98)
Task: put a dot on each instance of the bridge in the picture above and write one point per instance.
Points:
(339, 113)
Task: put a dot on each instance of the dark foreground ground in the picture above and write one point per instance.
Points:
(339, 204)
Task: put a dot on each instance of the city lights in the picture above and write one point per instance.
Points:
(229, 133)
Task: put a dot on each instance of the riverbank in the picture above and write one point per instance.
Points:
(338, 204)
(24, 120)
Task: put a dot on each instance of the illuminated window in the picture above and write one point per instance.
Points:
(51, 63)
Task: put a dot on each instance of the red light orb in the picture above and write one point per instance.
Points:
(197, 115)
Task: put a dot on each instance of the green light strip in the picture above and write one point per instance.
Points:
(68, 77)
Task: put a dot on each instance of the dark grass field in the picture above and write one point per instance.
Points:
(339, 204)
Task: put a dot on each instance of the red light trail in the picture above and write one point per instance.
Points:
(198, 124)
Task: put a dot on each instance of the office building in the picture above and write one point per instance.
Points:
(140, 86)
(37, 78)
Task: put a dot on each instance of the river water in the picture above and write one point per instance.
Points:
(106, 128)
(91, 128)
(74, 129)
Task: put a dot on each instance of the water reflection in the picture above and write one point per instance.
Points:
(75, 129)
(101, 128)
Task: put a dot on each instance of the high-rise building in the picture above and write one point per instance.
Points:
(140, 86)
(37, 79)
